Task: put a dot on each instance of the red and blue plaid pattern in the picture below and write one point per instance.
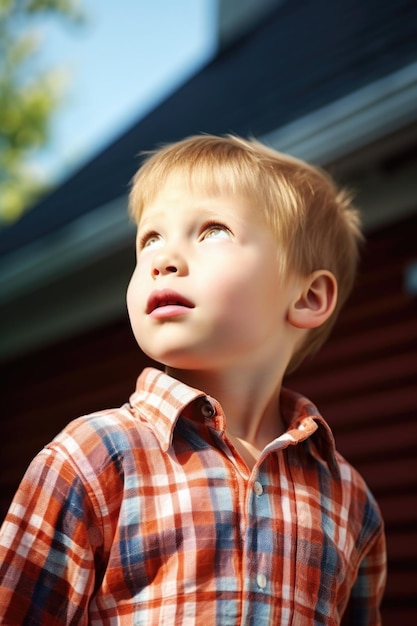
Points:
(147, 515)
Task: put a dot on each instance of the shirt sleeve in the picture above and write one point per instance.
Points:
(365, 600)
(48, 544)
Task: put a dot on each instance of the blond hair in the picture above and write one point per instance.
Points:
(315, 224)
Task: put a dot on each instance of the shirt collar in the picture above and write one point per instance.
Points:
(304, 421)
(161, 399)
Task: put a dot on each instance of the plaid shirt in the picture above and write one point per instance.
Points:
(148, 515)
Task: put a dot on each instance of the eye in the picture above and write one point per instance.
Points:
(149, 239)
(216, 231)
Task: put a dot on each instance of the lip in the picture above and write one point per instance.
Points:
(167, 303)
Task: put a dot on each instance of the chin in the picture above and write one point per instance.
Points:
(174, 358)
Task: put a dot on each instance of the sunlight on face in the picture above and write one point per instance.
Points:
(215, 254)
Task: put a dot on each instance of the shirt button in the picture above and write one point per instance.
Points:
(207, 409)
(261, 581)
(257, 488)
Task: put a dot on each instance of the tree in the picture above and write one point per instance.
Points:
(29, 96)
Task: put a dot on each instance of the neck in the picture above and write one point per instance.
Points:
(250, 400)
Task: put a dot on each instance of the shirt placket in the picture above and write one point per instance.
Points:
(257, 538)
(267, 583)
(255, 543)
(256, 560)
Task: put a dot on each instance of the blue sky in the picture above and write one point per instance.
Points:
(128, 56)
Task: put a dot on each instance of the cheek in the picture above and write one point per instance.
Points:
(129, 296)
(251, 295)
(131, 307)
(232, 292)
(133, 295)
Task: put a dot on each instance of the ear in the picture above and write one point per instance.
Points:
(317, 301)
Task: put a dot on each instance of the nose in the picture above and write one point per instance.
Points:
(168, 263)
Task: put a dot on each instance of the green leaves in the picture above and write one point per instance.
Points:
(29, 97)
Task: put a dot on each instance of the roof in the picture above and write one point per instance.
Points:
(301, 57)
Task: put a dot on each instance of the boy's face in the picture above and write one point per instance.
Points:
(206, 292)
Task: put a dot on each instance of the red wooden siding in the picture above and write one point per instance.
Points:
(364, 381)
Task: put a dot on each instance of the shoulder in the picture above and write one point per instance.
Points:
(90, 461)
(97, 451)
(361, 507)
(105, 437)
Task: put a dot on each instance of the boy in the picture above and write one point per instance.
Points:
(215, 496)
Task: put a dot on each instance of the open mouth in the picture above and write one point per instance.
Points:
(163, 299)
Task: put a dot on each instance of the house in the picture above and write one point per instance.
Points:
(335, 84)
